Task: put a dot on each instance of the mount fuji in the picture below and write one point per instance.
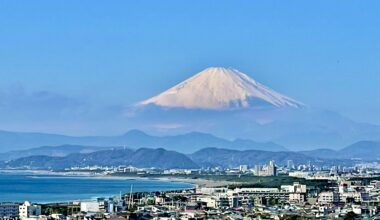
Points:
(228, 103)
(220, 88)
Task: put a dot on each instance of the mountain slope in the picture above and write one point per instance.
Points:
(364, 150)
(211, 157)
(322, 153)
(186, 143)
(54, 151)
(163, 159)
(298, 129)
(142, 158)
(227, 103)
(220, 88)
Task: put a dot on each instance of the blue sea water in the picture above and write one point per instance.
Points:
(19, 187)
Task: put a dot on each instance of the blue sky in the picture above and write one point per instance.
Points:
(61, 60)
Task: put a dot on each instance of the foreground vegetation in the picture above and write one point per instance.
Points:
(239, 180)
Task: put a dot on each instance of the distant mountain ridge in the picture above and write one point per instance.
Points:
(364, 150)
(185, 143)
(233, 158)
(164, 159)
(143, 158)
(53, 151)
(229, 103)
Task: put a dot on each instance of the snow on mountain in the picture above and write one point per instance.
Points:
(220, 88)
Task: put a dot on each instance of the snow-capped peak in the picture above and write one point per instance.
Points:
(220, 88)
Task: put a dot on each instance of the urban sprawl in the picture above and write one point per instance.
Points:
(259, 192)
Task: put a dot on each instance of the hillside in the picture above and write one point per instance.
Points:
(185, 143)
(144, 158)
(211, 157)
(364, 150)
(54, 151)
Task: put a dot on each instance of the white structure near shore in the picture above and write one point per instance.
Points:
(29, 211)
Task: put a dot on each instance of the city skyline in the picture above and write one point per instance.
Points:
(189, 109)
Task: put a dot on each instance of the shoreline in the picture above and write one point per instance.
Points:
(199, 182)
(195, 183)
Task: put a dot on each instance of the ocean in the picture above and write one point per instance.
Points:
(19, 187)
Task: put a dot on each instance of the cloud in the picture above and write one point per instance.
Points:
(47, 111)
(16, 103)
(168, 126)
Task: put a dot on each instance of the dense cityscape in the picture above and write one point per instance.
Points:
(189, 110)
(304, 192)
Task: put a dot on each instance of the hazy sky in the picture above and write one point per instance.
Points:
(68, 60)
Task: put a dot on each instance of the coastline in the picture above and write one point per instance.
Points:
(191, 182)
(199, 182)
(56, 176)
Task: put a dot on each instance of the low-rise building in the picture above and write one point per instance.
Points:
(28, 210)
(90, 206)
(328, 197)
(9, 210)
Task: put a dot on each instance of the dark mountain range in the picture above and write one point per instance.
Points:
(73, 155)
(143, 157)
(164, 159)
(186, 143)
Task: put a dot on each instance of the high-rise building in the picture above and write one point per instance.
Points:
(267, 170)
(243, 168)
(290, 165)
(272, 169)
(257, 170)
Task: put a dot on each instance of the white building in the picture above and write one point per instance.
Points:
(27, 210)
(266, 170)
(297, 192)
(290, 165)
(253, 190)
(243, 168)
(211, 190)
(210, 201)
(300, 174)
(89, 206)
(295, 188)
(328, 197)
(356, 196)
(297, 197)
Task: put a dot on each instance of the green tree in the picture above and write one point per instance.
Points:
(350, 216)
(273, 201)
